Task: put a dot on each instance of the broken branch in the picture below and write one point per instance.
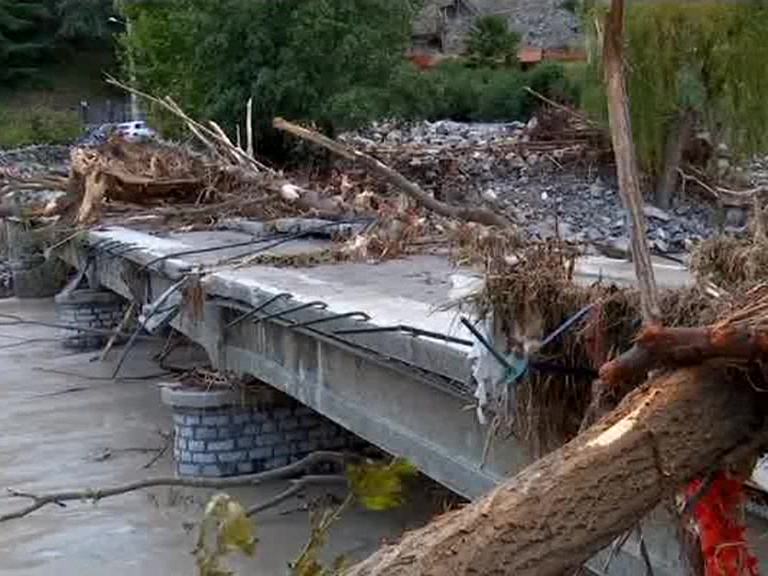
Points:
(96, 494)
(658, 347)
(480, 215)
(296, 487)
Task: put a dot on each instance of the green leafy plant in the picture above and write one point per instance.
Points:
(380, 486)
(225, 529)
(491, 42)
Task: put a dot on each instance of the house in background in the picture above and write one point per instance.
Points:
(443, 24)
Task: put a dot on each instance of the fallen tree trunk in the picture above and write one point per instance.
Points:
(561, 510)
(468, 214)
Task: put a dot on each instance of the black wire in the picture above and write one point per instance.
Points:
(279, 239)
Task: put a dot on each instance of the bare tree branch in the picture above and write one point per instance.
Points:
(96, 494)
(296, 487)
(480, 215)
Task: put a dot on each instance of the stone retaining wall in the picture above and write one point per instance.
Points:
(240, 439)
(102, 310)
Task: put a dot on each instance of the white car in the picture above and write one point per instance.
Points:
(133, 131)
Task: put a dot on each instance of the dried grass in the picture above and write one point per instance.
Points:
(530, 292)
(731, 262)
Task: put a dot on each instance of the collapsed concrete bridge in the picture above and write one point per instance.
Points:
(370, 347)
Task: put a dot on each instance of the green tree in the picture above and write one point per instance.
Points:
(705, 60)
(491, 42)
(303, 59)
(23, 43)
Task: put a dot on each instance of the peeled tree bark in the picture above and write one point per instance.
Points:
(561, 510)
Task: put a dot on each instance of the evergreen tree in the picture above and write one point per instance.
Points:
(24, 37)
(84, 21)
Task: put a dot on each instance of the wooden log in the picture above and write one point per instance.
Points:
(413, 190)
(657, 347)
(564, 508)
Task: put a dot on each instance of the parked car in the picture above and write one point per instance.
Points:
(131, 131)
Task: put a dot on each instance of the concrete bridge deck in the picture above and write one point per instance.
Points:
(405, 390)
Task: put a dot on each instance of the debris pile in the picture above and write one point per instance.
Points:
(529, 293)
(547, 176)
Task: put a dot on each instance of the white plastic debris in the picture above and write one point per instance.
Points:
(486, 370)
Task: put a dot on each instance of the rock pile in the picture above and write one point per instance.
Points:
(32, 160)
(542, 185)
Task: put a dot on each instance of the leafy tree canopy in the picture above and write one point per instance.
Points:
(303, 59)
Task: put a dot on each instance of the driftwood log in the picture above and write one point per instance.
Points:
(413, 190)
(558, 512)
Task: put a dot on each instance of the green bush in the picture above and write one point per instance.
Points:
(22, 127)
(503, 98)
(463, 93)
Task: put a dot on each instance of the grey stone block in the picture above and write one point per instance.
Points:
(185, 431)
(282, 450)
(185, 456)
(192, 419)
(304, 411)
(221, 445)
(268, 439)
(251, 429)
(235, 456)
(196, 445)
(246, 467)
(206, 433)
(260, 453)
(290, 423)
(212, 471)
(295, 435)
(259, 416)
(188, 470)
(179, 419)
(242, 418)
(217, 420)
(203, 457)
(246, 442)
(269, 426)
(316, 434)
(181, 443)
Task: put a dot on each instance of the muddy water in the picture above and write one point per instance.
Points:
(66, 426)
